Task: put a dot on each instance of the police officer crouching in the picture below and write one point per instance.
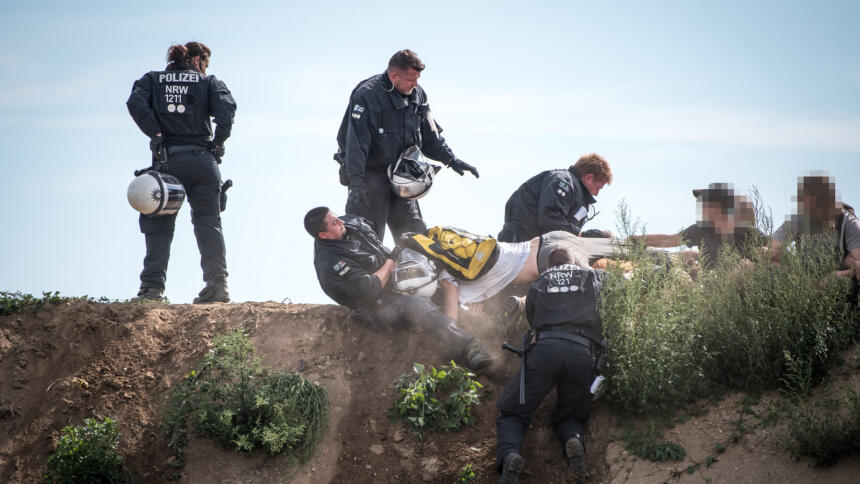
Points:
(173, 107)
(355, 269)
(561, 307)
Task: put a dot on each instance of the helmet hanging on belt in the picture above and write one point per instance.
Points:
(411, 176)
(414, 274)
(154, 194)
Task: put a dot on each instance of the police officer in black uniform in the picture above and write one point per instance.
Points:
(173, 107)
(355, 269)
(556, 200)
(561, 307)
(387, 114)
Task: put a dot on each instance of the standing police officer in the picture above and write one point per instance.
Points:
(556, 200)
(387, 114)
(562, 308)
(173, 107)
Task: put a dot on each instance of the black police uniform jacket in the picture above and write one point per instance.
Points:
(178, 102)
(550, 200)
(565, 298)
(345, 267)
(380, 123)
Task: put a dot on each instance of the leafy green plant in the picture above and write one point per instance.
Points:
(675, 335)
(87, 453)
(649, 443)
(441, 399)
(827, 429)
(13, 302)
(467, 475)
(231, 397)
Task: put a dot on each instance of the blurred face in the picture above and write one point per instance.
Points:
(404, 81)
(818, 208)
(592, 185)
(334, 229)
(714, 215)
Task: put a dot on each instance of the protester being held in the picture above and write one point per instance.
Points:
(821, 225)
(174, 108)
(556, 200)
(513, 265)
(355, 269)
(387, 114)
(724, 219)
(564, 353)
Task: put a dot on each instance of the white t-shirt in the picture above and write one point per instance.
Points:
(512, 258)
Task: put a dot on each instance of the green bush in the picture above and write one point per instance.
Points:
(87, 453)
(437, 399)
(826, 430)
(12, 302)
(231, 397)
(745, 325)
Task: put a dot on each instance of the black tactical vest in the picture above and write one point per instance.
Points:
(181, 104)
(566, 298)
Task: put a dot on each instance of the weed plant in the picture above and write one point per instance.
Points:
(441, 399)
(745, 325)
(13, 302)
(827, 429)
(231, 397)
(87, 453)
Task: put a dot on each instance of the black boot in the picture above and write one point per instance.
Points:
(215, 291)
(575, 452)
(512, 465)
(149, 293)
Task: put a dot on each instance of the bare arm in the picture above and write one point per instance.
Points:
(775, 251)
(660, 240)
(852, 260)
(450, 300)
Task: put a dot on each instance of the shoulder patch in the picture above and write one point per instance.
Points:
(357, 110)
(341, 268)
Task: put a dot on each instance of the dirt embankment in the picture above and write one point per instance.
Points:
(80, 359)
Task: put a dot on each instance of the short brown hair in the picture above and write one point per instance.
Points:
(594, 164)
(404, 60)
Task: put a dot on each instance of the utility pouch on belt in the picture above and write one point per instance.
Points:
(465, 255)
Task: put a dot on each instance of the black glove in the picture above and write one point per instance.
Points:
(357, 196)
(461, 167)
(218, 151)
(395, 253)
(156, 145)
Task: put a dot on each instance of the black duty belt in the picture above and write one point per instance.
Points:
(171, 150)
(582, 340)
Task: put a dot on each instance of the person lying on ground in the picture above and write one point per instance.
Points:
(354, 269)
(518, 264)
(724, 219)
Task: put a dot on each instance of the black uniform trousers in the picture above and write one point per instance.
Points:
(198, 171)
(405, 309)
(400, 214)
(552, 362)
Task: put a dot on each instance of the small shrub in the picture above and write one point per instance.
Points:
(826, 430)
(649, 444)
(441, 399)
(13, 302)
(467, 475)
(87, 453)
(231, 397)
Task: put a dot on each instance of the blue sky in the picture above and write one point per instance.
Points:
(675, 95)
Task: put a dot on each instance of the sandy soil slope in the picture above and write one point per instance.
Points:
(78, 359)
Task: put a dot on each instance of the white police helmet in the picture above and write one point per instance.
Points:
(411, 177)
(414, 274)
(153, 193)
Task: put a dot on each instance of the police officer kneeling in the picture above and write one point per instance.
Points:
(561, 307)
(174, 107)
(355, 269)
